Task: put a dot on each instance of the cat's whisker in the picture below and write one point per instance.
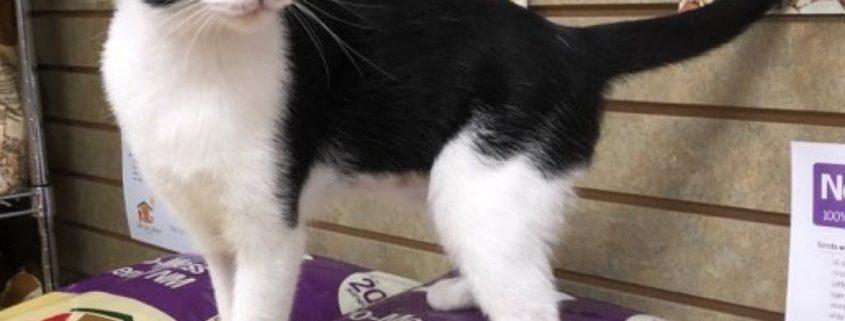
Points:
(177, 10)
(191, 17)
(346, 5)
(346, 48)
(331, 33)
(312, 6)
(182, 5)
(186, 17)
(317, 43)
(208, 17)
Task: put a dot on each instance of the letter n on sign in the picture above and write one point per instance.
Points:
(829, 195)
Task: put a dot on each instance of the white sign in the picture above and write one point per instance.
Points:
(817, 249)
(150, 221)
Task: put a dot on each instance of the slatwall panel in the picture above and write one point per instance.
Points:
(684, 214)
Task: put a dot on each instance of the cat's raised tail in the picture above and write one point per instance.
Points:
(633, 46)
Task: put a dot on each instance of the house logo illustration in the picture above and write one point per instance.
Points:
(145, 211)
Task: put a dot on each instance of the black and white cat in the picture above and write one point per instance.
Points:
(242, 113)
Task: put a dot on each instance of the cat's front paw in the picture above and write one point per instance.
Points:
(450, 295)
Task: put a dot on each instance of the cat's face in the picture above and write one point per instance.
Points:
(243, 15)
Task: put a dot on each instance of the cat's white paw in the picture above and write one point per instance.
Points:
(643, 317)
(450, 295)
(455, 294)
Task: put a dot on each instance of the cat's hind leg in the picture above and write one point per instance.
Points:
(497, 220)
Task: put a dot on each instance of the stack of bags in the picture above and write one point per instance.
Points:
(177, 288)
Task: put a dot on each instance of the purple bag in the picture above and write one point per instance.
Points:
(176, 285)
(329, 289)
(179, 286)
(412, 306)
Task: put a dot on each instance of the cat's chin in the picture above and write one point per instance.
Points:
(254, 21)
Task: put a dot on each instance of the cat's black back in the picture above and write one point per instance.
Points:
(398, 79)
(423, 70)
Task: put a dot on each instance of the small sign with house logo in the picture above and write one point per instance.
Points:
(150, 220)
(817, 243)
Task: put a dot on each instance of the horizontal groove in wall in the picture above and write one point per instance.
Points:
(117, 236)
(69, 69)
(71, 13)
(686, 299)
(81, 124)
(705, 209)
(387, 238)
(87, 177)
(797, 117)
(587, 279)
(605, 10)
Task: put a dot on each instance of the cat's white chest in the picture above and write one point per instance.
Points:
(203, 106)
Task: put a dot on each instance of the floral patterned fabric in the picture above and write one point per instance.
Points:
(12, 130)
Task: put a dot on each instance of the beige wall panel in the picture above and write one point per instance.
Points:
(91, 253)
(734, 163)
(381, 213)
(69, 40)
(90, 203)
(769, 67)
(77, 96)
(84, 150)
(732, 261)
(669, 310)
(411, 263)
